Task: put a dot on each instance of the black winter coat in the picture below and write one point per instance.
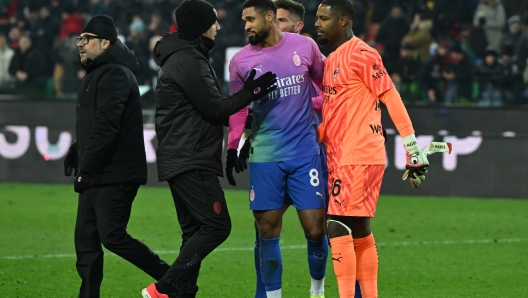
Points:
(109, 120)
(190, 109)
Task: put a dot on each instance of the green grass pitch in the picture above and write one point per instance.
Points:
(427, 246)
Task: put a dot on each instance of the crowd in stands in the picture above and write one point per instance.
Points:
(459, 52)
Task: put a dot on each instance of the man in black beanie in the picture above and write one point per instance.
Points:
(108, 156)
(190, 112)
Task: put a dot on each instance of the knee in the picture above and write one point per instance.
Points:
(268, 229)
(113, 239)
(316, 233)
(220, 228)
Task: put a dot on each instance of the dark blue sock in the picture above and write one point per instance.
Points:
(271, 263)
(261, 290)
(317, 256)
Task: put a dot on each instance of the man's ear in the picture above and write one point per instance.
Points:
(106, 44)
(343, 21)
(299, 27)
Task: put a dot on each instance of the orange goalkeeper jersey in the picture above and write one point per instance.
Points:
(354, 78)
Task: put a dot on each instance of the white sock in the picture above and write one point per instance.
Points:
(274, 294)
(317, 287)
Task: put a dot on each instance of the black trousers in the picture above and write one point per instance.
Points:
(205, 223)
(102, 217)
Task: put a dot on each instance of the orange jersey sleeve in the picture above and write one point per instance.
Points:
(354, 78)
(397, 112)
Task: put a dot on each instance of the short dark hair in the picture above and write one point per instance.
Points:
(345, 7)
(261, 5)
(294, 7)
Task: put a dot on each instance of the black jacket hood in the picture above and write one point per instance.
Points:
(117, 53)
(171, 42)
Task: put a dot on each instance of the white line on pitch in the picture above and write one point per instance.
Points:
(222, 249)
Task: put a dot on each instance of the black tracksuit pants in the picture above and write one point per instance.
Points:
(102, 217)
(205, 223)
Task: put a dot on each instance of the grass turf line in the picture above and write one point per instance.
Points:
(37, 220)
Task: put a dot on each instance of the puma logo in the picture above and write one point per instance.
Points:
(319, 194)
(337, 259)
(340, 203)
(259, 68)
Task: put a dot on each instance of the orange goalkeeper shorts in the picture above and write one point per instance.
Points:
(354, 190)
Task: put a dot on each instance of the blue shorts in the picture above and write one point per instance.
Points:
(271, 184)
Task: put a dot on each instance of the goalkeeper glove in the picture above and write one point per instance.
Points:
(416, 162)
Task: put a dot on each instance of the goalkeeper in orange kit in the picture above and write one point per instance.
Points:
(354, 83)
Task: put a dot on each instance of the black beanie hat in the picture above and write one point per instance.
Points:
(102, 26)
(194, 17)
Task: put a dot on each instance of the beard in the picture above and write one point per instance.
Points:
(322, 40)
(259, 36)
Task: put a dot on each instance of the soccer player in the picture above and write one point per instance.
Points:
(284, 158)
(355, 81)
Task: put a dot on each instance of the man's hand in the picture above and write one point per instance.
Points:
(82, 183)
(244, 155)
(416, 162)
(231, 162)
(262, 85)
(70, 162)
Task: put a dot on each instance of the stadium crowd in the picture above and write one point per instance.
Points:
(465, 52)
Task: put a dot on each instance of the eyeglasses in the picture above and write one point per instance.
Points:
(85, 39)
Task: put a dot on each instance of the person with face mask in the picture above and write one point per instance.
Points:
(190, 112)
(108, 158)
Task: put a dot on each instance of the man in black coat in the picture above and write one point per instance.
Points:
(190, 112)
(108, 156)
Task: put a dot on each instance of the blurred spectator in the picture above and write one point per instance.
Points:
(14, 36)
(490, 75)
(431, 77)
(6, 54)
(513, 36)
(95, 7)
(148, 100)
(43, 34)
(68, 72)
(479, 40)
(137, 8)
(459, 76)
(5, 20)
(419, 37)
(405, 74)
(138, 43)
(390, 34)
(449, 16)
(358, 26)
(465, 44)
(158, 25)
(72, 22)
(116, 9)
(513, 76)
(164, 8)
(232, 34)
(29, 68)
(493, 12)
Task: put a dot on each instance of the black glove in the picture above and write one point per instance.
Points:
(231, 162)
(261, 86)
(82, 183)
(70, 162)
(244, 155)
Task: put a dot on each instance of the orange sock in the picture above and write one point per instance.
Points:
(367, 266)
(344, 259)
